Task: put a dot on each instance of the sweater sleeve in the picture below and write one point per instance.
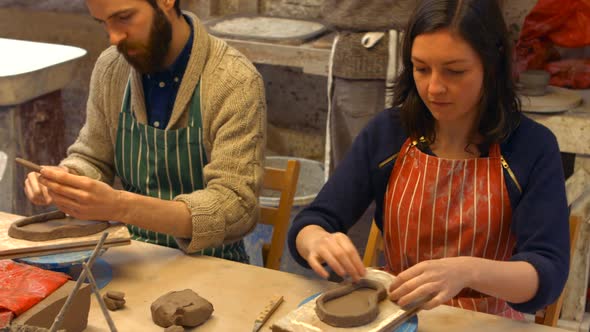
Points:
(343, 199)
(540, 222)
(92, 153)
(227, 208)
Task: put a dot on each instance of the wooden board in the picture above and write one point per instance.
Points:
(266, 29)
(324, 42)
(16, 248)
(304, 318)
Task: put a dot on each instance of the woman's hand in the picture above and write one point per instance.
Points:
(439, 279)
(318, 246)
(35, 191)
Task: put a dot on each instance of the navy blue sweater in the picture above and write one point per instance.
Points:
(539, 213)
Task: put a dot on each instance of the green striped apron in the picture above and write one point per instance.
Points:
(165, 164)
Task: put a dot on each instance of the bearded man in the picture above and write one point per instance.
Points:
(180, 118)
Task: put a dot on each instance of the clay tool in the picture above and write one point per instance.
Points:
(267, 312)
(30, 165)
(410, 310)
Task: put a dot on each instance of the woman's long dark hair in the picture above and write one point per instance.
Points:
(481, 24)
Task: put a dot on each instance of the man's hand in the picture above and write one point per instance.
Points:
(79, 196)
(35, 191)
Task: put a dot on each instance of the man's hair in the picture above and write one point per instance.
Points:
(176, 5)
(481, 24)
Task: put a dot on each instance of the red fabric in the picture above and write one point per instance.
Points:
(555, 22)
(437, 208)
(22, 286)
(5, 318)
(563, 22)
(574, 73)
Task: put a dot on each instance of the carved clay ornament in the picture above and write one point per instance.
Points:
(54, 225)
(351, 304)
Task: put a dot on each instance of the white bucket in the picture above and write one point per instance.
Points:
(311, 180)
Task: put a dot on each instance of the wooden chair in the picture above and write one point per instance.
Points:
(550, 315)
(374, 246)
(578, 198)
(285, 181)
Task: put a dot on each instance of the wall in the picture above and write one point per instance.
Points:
(296, 102)
(68, 28)
(292, 8)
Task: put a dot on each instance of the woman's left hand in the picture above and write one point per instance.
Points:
(439, 279)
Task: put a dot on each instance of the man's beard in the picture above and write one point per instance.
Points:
(151, 56)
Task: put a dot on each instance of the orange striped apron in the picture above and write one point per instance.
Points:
(437, 208)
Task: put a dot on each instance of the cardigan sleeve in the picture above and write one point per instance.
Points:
(540, 220)
(227, 208)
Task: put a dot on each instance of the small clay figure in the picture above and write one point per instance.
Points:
(184, 308)
(115, 295)
(174, 328)
(114, 300)
(351, 304)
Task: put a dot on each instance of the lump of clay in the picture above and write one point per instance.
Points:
(114, 300)
(115, 295)
(184, 308)
(351, 305)
(174, 328)
(53, 225)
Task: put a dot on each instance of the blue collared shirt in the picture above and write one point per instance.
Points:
(160, 88)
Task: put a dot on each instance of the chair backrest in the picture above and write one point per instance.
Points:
(550, 315)
(284, 181)
(374, 246)
(578, 198)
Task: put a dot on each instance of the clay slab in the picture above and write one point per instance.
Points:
(54, 225)
(351, 305)
(16, 248)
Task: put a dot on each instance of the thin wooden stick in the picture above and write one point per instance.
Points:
(60, 316)
(30, 165)
(96, 292)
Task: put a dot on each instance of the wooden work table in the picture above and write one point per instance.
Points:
(238, 293)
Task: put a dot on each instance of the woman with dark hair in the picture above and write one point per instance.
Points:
(469, 192)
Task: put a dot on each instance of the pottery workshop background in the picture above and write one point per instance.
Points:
(297, 105)
(297, 102)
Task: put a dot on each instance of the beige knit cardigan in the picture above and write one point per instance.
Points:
(233, 109)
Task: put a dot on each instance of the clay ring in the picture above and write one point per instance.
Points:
(347, 320)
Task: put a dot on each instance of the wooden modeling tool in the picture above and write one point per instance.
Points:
(267, 312)
(30, 165)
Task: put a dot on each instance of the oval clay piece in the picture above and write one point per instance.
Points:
(343, 316)
(53, 225)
